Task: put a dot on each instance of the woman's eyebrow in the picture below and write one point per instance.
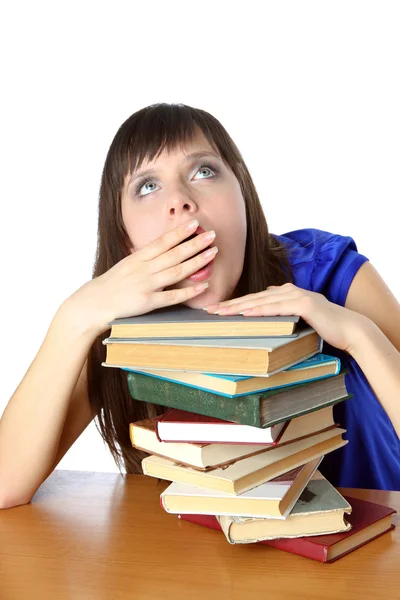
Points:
(196, 155)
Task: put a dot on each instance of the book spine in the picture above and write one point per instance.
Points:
(244, 410)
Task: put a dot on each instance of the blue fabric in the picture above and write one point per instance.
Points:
(326, 263)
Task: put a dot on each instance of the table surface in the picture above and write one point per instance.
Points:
(105, 536)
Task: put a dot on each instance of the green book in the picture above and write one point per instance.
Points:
(259, 410)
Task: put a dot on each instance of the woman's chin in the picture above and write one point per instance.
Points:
(204, 299)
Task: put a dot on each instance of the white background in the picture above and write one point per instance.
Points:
(309, 91)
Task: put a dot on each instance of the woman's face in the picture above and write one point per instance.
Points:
(182, 188)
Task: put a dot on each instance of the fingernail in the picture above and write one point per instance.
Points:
(210, 252)
(201, 286)
(210, 235)
(192, 225)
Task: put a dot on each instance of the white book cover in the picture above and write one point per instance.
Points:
(271, 490)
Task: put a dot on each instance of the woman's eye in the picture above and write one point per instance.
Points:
(203, 169)
(142, 188)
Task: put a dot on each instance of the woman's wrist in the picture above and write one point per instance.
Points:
(73, 316)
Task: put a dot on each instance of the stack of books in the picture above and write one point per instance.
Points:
(249, 419)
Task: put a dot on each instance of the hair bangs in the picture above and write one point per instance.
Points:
(150, 131)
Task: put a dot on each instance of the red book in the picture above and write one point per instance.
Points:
(177, 425)
(368, 520)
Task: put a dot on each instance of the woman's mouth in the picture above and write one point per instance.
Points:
(205, 272)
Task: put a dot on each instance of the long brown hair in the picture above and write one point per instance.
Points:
(143, 136)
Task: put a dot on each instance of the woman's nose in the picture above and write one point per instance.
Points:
(181, 202)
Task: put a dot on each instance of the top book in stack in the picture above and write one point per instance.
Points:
(184, 322)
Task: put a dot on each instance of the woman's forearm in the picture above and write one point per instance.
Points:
(32, 422)
(380, 363)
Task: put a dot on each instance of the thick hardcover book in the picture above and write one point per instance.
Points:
(249, 472)
(183, 426)
(258, 410)
(232, 356)
(273, 500)
(320, 510)
(367, 520)
(316, 367)
(210, 456)
(184, 322)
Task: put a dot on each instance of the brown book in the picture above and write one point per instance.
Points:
(249, 472)
(238, 356)
(182, 321)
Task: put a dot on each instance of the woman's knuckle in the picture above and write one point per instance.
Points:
(171, 295)
(177, 271)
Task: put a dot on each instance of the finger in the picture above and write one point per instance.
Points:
(167, 241)
(183, 252)
(182, 270)
(272, 289)
(274, 296)
(176, 296)
(241, 299)
(285, 308)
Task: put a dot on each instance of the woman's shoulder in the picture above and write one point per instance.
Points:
(322, 261)
(306, 244)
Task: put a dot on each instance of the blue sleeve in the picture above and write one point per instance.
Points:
(336, 261)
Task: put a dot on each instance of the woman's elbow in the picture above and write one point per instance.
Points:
(10, 501)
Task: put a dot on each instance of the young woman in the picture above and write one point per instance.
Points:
(180, 222)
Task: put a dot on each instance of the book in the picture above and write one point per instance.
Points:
(316, 367)
(258, 410)
(177, 425)
(184, 322)
(209, 456)
(320, 510)
(275, 498)
(231, 356)
(247, 473)
(368, 521)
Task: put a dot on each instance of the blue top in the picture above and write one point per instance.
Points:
(326, 263)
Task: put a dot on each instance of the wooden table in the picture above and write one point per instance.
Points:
(104, 536)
